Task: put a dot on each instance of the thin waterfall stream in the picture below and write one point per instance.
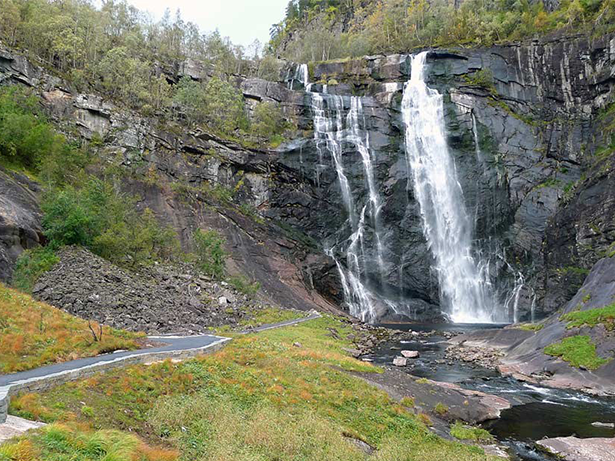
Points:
(331, 131)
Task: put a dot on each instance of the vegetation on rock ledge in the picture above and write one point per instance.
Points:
(592, 317)
(579, 351)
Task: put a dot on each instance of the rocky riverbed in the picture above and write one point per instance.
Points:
(450, 382)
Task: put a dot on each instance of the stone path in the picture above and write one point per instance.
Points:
(174, 347)
(15, 426)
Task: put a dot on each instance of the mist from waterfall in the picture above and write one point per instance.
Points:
(466, 292)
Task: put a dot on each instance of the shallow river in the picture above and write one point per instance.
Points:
(537, 412)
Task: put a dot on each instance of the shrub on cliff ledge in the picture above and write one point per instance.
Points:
(25, 135)
(269, 122)
(107, 222)
(218, 104)
(209, 252)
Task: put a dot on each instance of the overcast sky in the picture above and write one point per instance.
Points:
(241, 20)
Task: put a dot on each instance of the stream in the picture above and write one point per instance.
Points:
(537, 412)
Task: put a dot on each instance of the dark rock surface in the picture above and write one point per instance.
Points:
(536, 119)
(20, 218)
(160, 299)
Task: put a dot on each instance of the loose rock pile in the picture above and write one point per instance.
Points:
(485, 357)
(158, 299)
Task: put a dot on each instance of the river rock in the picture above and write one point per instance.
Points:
(400, 361)
(600, 424)
(575, 449)
(410, 354)
(353, 352)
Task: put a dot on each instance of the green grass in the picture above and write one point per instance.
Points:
(59, 442)
(271, 315)
(33, 334)
(579, 351)
(592, 317)
(262, 316)
(475, 434)
(260, 398)
(530, 326)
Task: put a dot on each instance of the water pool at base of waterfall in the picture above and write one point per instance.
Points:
(537, 412)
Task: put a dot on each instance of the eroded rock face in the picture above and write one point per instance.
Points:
(516, 132)
(20, 218)
(173, 171)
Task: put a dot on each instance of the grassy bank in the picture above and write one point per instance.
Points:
(579, 351)
(33, 334)
(60, 442)
(280, 395)
(592, 317)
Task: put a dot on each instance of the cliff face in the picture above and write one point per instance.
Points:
(524, 124)
(189, 179)
(523, 134)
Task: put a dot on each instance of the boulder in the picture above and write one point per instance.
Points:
(400, 361)
(411, 354)
(575, 449)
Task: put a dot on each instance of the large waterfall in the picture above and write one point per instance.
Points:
(358, 248)
(465, 288)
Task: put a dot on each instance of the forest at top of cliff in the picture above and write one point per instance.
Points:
(321, 30)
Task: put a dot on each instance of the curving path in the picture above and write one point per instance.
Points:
(174, 347)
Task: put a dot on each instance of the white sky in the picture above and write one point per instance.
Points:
(241, 20)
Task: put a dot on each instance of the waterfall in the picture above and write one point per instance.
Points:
(479, 154)
(333, 131)
(465, 288)
(301, 75)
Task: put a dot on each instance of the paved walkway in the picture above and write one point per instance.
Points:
(171, 344)
(178, 347)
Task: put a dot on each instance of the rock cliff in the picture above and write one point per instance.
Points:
(526, 122)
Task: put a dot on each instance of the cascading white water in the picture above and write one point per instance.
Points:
(301, 75)
(360, 138)
(465, 287)
(331, 131)
(479, 154)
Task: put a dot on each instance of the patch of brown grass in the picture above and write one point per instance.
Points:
(33, 334)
